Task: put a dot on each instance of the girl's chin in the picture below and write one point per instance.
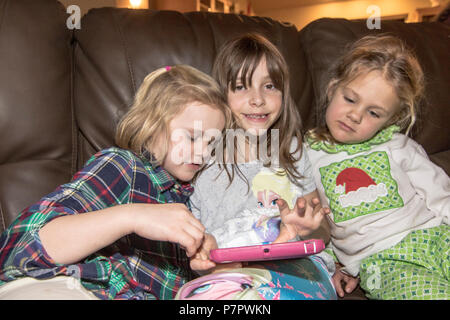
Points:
(340, 136)
(255, 128)
(184, 177)
(186, 173)
(345, 140)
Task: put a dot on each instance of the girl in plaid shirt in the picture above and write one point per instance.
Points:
(122, 226)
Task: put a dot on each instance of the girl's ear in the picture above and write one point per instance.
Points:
(150, 150)
(158, 145)
(331, 89)
(399, 118)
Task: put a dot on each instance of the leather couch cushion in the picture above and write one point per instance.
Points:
(35, 114)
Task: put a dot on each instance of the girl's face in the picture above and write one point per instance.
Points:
(358, 110)
(191, 131)
(258, 106)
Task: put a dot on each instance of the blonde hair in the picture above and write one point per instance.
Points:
(397, 64)
(244, 53)
(162, 95)
(277, 182)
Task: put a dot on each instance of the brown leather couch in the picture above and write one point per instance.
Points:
(62, 91)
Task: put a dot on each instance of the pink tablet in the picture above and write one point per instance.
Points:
(277, 251)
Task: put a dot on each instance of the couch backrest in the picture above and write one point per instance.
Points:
(35, 115)
(116, 48)
(325, 40)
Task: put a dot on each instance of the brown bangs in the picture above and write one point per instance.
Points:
(246, 61)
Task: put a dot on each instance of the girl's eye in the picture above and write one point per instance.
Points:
(213, 142)
(260, 204)
(192, 138)
(270, 86)
(239, 87)
(348, 99)
(374, 114)
(274, 202)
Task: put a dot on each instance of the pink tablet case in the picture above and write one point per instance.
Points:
(278, 251)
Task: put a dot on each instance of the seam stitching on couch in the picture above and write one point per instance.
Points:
(3, 12)
(307, 35)
(74, 165)
(122, 40)
(2, 16)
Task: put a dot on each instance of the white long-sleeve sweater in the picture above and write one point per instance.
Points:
(378, 192)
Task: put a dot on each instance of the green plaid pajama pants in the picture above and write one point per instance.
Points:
(417, 268)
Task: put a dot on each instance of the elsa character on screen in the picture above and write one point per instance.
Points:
(260, 224)
(269, 186)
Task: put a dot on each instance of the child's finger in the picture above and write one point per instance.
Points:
(315, 202)
(314, 207)
(201, 254)
(194, 233)
(351, 285)
(300, 206)
(195, 222)
(338, 285)
(283, 207)
(201, 265)
(339, 290)
(320, 216)
(325, 211)
(189, 243)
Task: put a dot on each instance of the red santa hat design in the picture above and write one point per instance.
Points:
(355, 186)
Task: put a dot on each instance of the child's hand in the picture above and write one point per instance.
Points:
(302, 220)
(171, 222)
(340, 278)
(200, 261)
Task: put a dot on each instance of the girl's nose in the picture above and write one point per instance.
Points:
(198, 152)
(256, 98)
(201, 152)
(355, 115)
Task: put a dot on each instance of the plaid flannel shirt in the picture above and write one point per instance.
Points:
(132, 267)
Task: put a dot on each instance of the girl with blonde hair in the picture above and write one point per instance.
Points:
(390, 205)
(122, 227)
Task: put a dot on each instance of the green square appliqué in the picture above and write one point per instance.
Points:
(360, 186)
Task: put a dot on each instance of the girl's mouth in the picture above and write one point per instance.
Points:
(345, 127)
(256, 117)
(193, 166)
